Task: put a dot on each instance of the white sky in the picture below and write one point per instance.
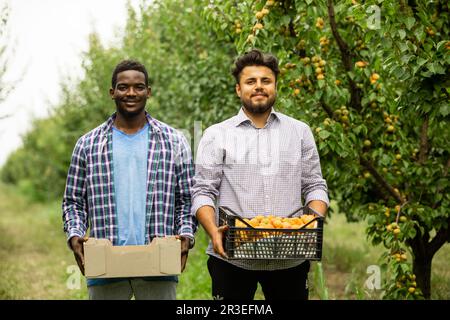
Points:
(48, 37)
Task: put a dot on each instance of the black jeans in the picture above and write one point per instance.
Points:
(233, 283)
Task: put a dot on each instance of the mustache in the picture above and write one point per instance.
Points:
(259, 94)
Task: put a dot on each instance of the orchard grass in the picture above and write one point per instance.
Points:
(35, 262)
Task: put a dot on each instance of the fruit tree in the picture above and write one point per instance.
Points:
(371, 78)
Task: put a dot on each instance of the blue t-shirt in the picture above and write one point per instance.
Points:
(130, 183)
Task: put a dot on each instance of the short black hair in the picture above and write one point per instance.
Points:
(128, 65)
(255, 58)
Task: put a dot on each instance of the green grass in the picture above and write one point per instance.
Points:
(34, 258)
(34, 255)
(194, 282)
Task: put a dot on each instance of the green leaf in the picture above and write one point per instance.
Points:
(420, 34)
(402, 34)
(308, 71)
(444, 110)
(430, 67)
(285, 19)
(321, 83)
(404, 267)
(324, 134)
(403, 46)
(410, 22)
(440, 44)
(421, 61)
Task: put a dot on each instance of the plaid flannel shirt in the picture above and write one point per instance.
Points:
(89, 197)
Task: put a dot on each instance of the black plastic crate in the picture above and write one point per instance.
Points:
(251, 243)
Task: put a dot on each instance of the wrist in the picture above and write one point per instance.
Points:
(72, 241)
(191, 240)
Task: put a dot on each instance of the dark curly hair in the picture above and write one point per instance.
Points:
(128, 65)
(255, 58)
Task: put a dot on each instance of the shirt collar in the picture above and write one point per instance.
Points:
(153, 125)
(241, 117)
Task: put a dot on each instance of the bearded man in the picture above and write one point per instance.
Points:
(259, 162)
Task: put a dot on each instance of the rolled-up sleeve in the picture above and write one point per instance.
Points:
(208, 171)
(314, 187)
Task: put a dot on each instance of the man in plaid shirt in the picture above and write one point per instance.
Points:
(129, 181)
(259, 162)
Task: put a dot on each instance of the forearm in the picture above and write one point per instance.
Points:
(206, 215)
(314, 186)
(318, 206)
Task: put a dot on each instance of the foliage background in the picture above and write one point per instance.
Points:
(188, 48)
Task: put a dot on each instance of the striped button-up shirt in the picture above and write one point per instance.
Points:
(89, 197)
(258, 172)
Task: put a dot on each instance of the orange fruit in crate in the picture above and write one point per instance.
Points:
(239, 224)
(277, 223)
(270, 222)
(307, 218)
(254, 222)
(286, 225)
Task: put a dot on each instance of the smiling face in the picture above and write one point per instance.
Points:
(257, 89)
(130, 93)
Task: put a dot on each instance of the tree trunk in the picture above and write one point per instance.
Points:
(423, 252)
(422, 270)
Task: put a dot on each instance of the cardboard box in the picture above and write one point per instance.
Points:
(161, 257)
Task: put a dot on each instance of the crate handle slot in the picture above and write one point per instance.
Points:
(224, 208)
(313, 220)
(305, 208)
(237, 216)
(294, 212)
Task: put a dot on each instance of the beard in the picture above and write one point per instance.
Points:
(258, 108)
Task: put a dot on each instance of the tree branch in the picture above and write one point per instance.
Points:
(380, 180)
(447, 166)
(423, 150)
(346, 56)
(442, 236)
(418, 246)
(326, 108)
(292, 29)
(343, 47)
